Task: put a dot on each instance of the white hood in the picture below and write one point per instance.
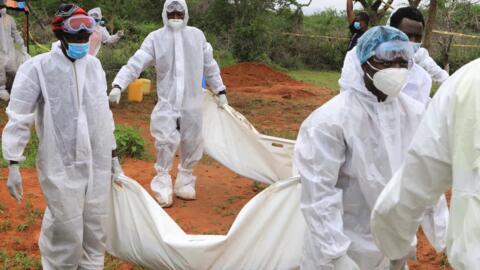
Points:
(164, 13)
(95, 11)
(352, 74)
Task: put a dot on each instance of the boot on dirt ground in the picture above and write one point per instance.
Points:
(161, 186)
(185, 185)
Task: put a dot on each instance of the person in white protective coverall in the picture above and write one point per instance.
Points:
(181, 56)
(65, 92)
(418, 85)
(349, 148)
(410, 21)
(101, 34)
(444, 154)
(9, 36)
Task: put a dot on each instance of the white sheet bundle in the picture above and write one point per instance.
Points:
(267, 233)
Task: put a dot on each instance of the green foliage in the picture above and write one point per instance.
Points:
(19, 260)
(129, 142)
(31, 215)
(458, 57)
(246, 30)
(246, 40)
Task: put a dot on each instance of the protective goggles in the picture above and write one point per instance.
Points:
(67, 10)
(175, 6)
(76, 24)
(388, 51)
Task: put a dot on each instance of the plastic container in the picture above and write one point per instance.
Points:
(146, 86)
(137, 89)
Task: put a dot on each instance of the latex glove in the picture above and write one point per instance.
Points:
(115, 95)
(14, 182)
(120, 33)
(222, 100)
(4, 95)
(116, 169)
(344, 263)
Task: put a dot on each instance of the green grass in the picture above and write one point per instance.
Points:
(18, 260)
(325, 79)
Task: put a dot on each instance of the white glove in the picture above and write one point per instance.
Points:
(344, 263)
(116, 169)
(14, 182)
(4, 95)
(115, 95)
(222, 100)
(120, 33)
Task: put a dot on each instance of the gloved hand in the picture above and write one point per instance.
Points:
(222, 100)
(14, 182)
(344, 263)
(4, 95)
(116, 169)
(115, 94)
(120, 33)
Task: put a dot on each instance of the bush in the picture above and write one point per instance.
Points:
(129, 142)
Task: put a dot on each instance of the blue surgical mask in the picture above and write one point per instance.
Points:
(357, 25)
(78, 50)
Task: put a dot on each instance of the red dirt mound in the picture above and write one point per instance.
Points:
(258, 78)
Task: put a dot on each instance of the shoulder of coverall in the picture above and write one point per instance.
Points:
(415, 106)
(332, 112)
(92, 60)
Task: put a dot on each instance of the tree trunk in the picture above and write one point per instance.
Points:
(432, 15)
(414, 3)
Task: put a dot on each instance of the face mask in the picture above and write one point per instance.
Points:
(3, 11)
(175, 24)
(78, 50)
(390, 80)
(357, 25)
(416, 46)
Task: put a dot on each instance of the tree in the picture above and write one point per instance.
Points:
(414, 3)
(432, 16)
(459, 16)
(375, 9)
(297, 21)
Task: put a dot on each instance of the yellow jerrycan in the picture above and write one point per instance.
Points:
(137, 89)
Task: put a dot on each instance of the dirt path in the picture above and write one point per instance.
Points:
(272, 101)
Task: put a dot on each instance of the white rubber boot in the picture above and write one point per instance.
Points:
(185, 185)
(162, 188)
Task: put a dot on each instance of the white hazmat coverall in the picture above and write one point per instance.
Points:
(9, 35)
(100, 35)
(444, 154)
(346, 152)
(69, 102)
(423, 59)
(181, 59)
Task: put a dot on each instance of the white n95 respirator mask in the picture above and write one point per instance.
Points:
(175, 24)
(390, 80)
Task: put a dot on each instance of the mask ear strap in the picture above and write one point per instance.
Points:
(374, 68)
(64, 43)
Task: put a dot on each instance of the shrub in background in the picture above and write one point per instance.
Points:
(129, 142)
